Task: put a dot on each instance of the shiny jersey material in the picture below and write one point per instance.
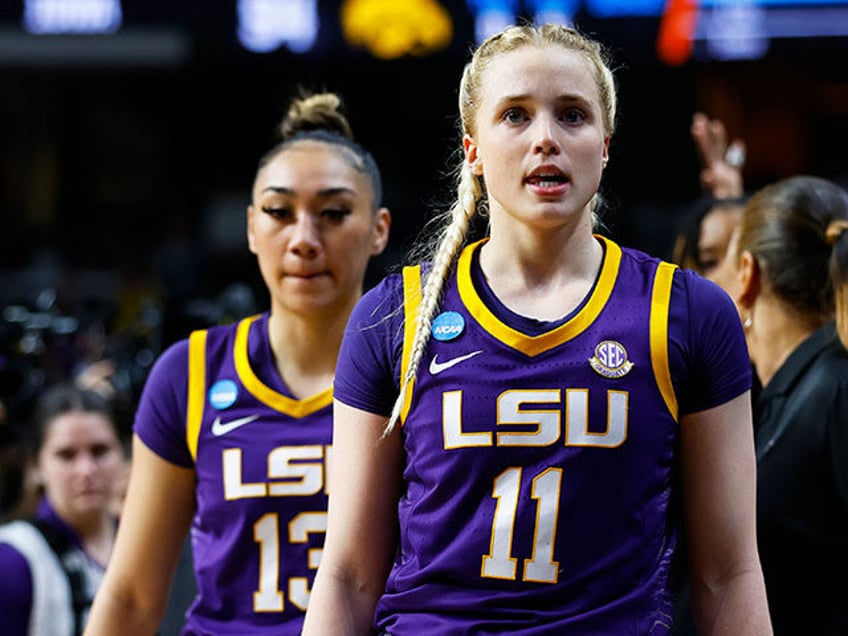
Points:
(261, 461)
(540, 466)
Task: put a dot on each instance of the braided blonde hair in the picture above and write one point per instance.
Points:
(444, 245)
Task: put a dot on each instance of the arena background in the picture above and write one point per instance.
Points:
(126, 157)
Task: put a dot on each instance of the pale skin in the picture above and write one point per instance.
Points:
(540, 114)
(719, 478)
(78, 463)
(541, 256)
(313, 229)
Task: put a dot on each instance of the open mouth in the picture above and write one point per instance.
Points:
(547, 180)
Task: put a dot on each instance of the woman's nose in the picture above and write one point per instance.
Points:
(87, 463)
(306, 238)
(545, 138)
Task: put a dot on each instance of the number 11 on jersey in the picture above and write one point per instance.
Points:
(540, 567)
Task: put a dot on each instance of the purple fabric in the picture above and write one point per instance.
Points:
(261, 485)
(15, 591)
(523, 510)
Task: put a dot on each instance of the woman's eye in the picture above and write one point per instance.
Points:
(101, 450)
(335, 214)
(709, 264)
(514, 116)
(276, 212)
(65, 454)
(573, 116)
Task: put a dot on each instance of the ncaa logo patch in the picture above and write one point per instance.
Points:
(610, 359)
(223, 394)
(447, 326)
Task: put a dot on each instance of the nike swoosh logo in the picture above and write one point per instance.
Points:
(222, 428)
(437, 367)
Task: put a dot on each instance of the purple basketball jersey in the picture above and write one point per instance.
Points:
(261, 460)
(538, 468)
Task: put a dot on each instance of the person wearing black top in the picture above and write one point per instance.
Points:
(787, 270)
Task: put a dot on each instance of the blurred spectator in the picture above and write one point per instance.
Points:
(705, 233)
(721, 161)
(53, 562)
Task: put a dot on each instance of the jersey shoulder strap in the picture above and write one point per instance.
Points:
(660, 305)
(411, 301)
(196, 388)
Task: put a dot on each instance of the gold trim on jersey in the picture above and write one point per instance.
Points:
(196, 399)
(411, 302)
(660, 303)
(534, 345)
(196, 388)
(264, 393)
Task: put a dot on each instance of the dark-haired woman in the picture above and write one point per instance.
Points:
(232, 435)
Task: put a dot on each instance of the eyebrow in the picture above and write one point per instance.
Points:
(566, 97)
(326, 192)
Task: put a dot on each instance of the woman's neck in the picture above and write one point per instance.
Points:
(775, 332)
(306, 350)
(99, 544)
(96, 532)
(539, 283)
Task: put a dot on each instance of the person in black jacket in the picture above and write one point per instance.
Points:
(787, 270)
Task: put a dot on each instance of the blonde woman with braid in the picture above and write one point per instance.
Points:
(523, 423)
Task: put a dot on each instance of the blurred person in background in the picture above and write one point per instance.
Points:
(705, 232)
(705, 235)
(701, 245)
(53, 562)
(787, 271)
(233, 431)
(721, 160)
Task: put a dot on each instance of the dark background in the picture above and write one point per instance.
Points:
(124, 179)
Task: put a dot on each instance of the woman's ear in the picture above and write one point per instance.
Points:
(250, 240)
(471, 156)
(381, 231)
(750, 281)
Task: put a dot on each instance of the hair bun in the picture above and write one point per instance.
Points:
(322, 111)
(835, 230)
